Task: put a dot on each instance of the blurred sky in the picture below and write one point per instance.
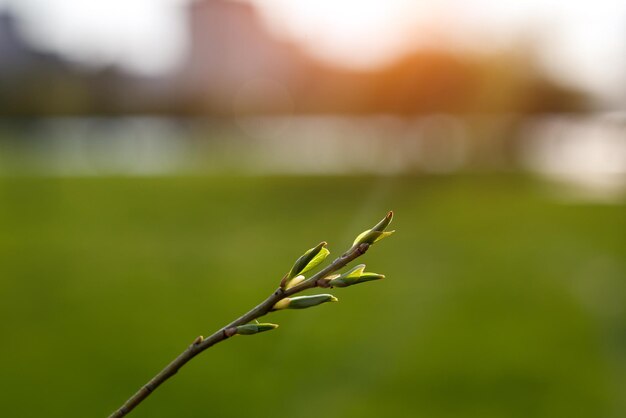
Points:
(580, 42)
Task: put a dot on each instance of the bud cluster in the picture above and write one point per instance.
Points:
(311, 259)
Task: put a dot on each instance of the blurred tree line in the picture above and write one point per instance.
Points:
(230, 50)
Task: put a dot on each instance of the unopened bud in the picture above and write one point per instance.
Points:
(303, 302)
(250, 329)
(375, 234)
(354, 276)
(306, 262)
(384, 223)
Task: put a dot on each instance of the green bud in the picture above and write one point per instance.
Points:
(354, 276)
(375, 234)
(384, 223)
(250, 329)
(306, 262)
(303, 302)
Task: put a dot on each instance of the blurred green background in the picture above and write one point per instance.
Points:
(500, 299)
(164, 162)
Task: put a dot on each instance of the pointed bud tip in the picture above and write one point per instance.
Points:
(319, 246)
(333, 299)
(384, 223)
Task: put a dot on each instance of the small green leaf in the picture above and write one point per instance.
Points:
(371, 237)
(321, 256)
(383, 235)
(354, 276)
(355, 272)
(303, 261)
(306, 262)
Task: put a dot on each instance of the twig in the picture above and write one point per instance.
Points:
(320, 279)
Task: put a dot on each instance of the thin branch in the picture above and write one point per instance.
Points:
(200, 344)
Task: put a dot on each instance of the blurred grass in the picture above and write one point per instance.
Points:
(500, 301)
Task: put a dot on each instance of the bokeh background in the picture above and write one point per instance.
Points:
(163, 162)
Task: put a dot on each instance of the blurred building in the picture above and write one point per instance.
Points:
(233, 59)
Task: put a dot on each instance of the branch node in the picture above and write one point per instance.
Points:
(229, 332)
(322, 282)
(362, 248)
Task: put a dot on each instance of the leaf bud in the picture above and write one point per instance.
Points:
(303, 302)
(375, 234)
(250, 329)
(306, 262)
(354, 276)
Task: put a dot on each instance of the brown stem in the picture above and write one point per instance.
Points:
(199, 345)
